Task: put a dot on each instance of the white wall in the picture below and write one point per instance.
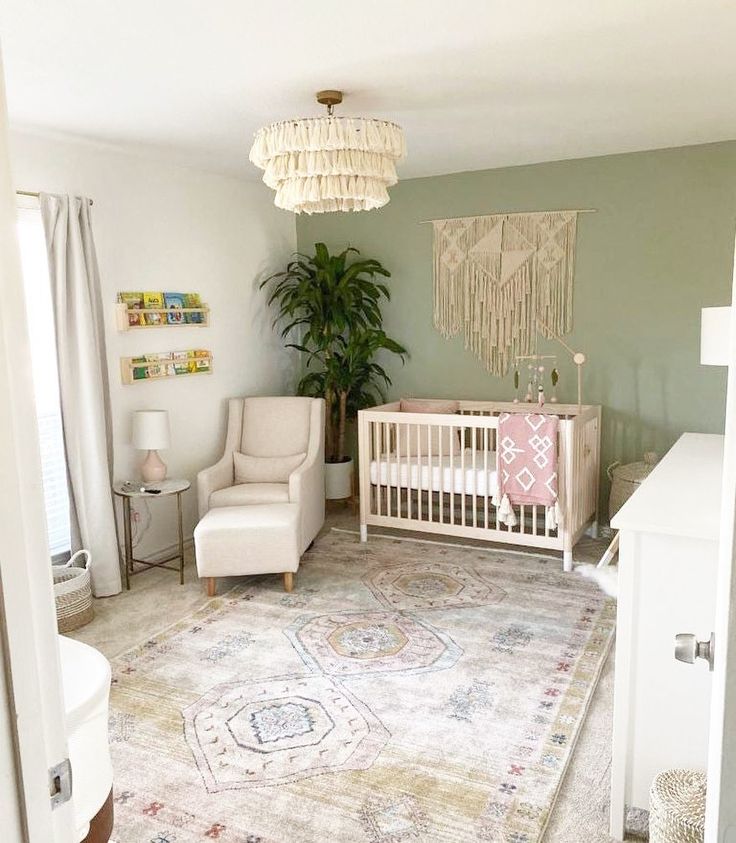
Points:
(164, 227)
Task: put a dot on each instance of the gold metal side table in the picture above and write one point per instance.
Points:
(127, 491)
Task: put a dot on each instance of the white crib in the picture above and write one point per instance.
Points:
(450, 493)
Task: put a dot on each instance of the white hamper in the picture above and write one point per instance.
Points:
(677, 807)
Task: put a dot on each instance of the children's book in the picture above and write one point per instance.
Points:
(181, 362)
(140, 368)
(193, 300)
(174, 302)
(153, 300)
(134, 303)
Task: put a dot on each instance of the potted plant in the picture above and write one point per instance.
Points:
(335, 304)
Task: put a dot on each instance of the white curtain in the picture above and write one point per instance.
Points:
(83, 383)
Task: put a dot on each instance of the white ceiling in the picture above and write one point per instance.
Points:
(475, 83)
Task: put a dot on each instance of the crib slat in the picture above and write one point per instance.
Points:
(379, 463)
(387, 452)
(522, 519)
(386, 485)
(398, 470)
(429, 473)
(475, 478)
(441, 494)
(419, 470)
(389, 461)
(485, 477)
(394, 473)
(407, 432)
(462, 470)
(452, 474)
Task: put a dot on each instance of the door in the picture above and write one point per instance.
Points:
(33, 712)
(720, 817)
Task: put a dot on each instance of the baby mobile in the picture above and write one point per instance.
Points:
(536, 370)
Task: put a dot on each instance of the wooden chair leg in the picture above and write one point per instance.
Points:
(288, 581)
(211, 586)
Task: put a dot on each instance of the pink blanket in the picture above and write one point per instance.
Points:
(527, 464)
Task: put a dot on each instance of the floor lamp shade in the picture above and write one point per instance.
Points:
(151, 432)
(715, 336)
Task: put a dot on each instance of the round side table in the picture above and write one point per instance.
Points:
(127, 490)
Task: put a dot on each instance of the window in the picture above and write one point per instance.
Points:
(45, 378)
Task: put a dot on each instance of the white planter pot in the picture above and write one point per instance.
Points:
(338, 480)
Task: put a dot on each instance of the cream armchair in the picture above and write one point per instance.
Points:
(274, 453)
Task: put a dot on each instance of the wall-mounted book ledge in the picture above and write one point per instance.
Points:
(160, 310)
(168, 364)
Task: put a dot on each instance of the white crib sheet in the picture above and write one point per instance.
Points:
(417, 473)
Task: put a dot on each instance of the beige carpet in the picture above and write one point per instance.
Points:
(402, 692)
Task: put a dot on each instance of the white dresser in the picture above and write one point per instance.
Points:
(667, 583)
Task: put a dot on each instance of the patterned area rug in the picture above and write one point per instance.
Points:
(403, 692)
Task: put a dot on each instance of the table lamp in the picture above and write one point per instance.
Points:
(715, 336)
(151, 432)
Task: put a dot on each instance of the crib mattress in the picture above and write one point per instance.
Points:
(428, 473)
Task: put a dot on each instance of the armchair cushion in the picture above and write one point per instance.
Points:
(249, 469)
(275, 427)
(245, 494)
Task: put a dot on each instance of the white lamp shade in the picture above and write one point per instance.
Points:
(151, 430)
(715, 336)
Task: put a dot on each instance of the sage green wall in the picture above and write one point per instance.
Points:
(658, 249)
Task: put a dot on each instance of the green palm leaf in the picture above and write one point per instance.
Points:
(332, 305)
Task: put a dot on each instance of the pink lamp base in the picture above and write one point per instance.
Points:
(153, 468)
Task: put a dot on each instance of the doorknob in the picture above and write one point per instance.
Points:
(688, 649)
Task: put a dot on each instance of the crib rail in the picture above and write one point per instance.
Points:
(435, 472)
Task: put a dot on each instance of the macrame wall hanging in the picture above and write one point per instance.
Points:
(503, 278)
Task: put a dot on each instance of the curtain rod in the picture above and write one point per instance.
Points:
(35, 194)
(515, 214)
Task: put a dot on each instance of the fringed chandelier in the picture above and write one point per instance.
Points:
(321, 164)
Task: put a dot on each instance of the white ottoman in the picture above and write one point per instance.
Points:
(232, 541)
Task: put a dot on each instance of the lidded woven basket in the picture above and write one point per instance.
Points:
(677, 807)
(626, 479)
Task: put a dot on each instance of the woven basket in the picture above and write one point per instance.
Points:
(677, 807)
(626, 479)
(73, 592)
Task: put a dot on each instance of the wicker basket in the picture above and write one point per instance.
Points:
(73, 592)
(626, 479)
(677, 807)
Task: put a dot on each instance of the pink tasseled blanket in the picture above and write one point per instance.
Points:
(527, 465)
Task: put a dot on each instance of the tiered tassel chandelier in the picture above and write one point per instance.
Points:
(321, 164)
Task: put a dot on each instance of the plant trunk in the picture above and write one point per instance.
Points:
(341, 426)
(329, 428)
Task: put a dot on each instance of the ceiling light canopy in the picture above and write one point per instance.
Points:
(321, 164)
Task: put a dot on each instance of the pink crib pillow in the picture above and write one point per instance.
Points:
(414, 445)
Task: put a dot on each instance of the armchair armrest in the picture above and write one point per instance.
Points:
(307, 488)
(209, 480)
